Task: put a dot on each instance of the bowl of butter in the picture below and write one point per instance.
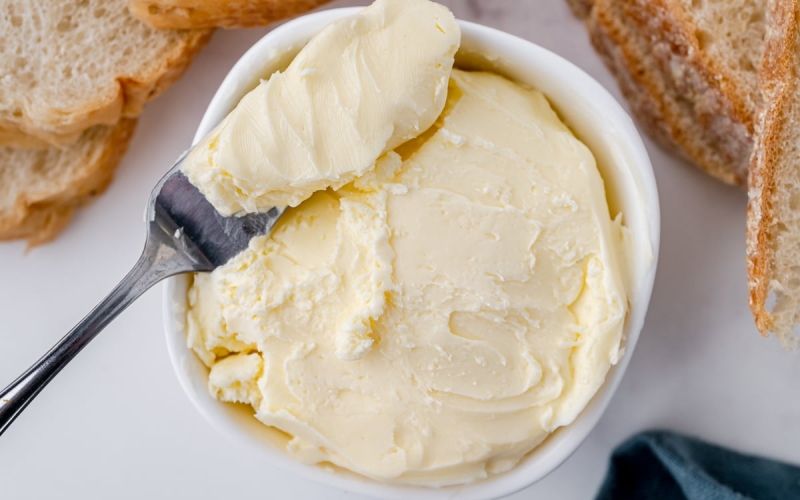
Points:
(461, 271)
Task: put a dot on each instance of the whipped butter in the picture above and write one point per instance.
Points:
(361, 87)
(439, 312)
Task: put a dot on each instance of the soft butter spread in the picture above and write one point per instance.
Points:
(361, 87)
(435, 318)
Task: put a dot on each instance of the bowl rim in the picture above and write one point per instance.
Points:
(564, 441)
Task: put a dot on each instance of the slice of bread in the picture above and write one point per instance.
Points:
(688, 69)
(66, 65)
(773, 212)
(185, 14)
(41, 188)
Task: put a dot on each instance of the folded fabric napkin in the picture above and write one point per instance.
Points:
(660, 465)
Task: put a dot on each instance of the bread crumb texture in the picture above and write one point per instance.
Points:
(41, 188)
(688, 70)
(69, 65)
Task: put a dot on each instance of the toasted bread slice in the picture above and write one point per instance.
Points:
(187, 14)
(773, 212)
(66, 65)
(41, 188)
(689, 72)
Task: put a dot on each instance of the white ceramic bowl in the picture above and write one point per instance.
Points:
(594, 116)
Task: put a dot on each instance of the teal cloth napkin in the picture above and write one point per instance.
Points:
(660, 465)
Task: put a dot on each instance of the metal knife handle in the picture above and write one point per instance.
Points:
(15, 397)
(165, 254)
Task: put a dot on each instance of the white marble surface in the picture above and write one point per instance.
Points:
(115, 424)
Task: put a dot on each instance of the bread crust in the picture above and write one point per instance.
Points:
(189, 14)
(683, 99)
(39, 216)
(126, 101)
(580, 8)
(778, 85)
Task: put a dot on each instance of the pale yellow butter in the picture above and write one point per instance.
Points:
(361, 87)
(434, 320)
